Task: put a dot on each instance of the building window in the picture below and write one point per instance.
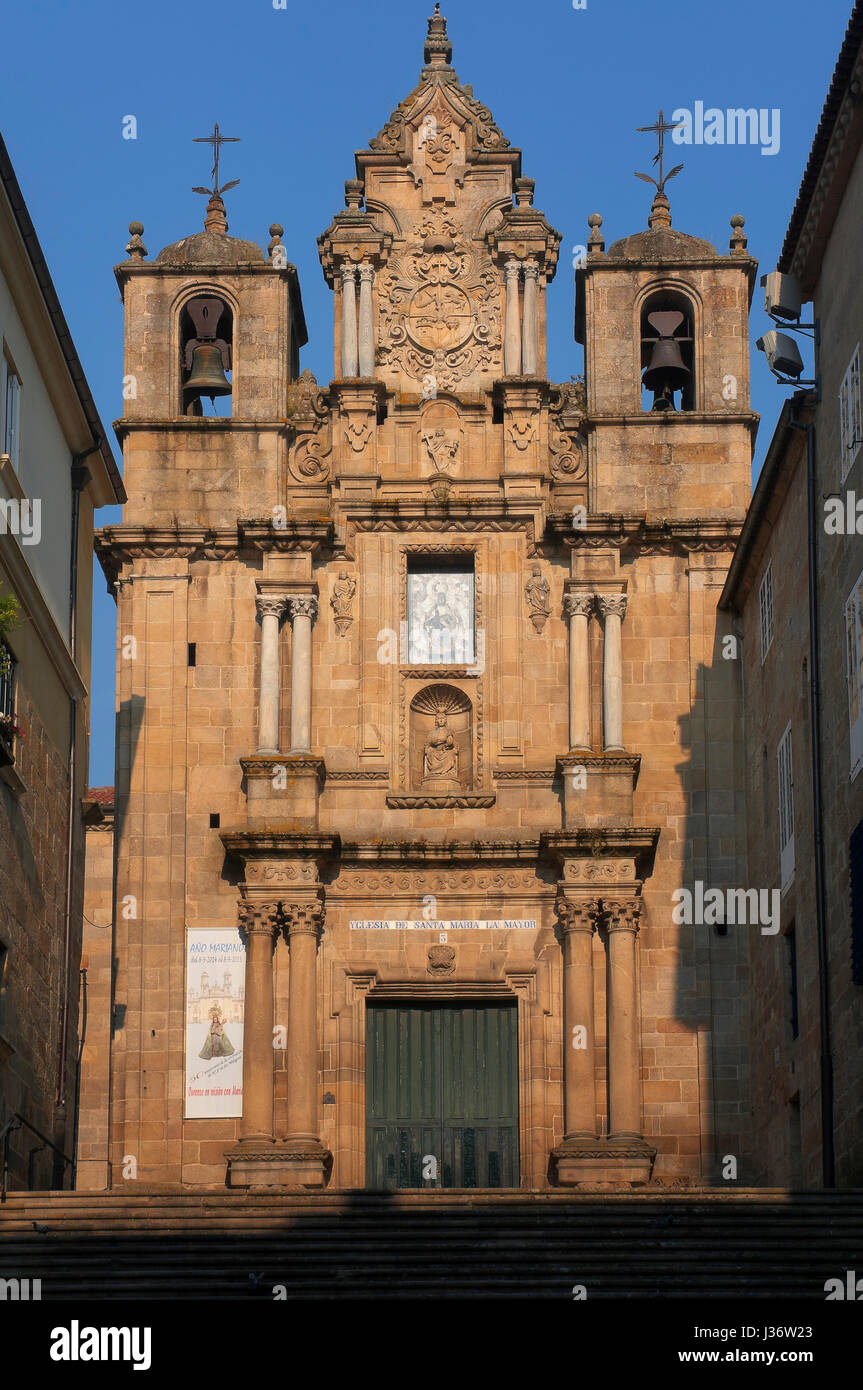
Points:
(441, 613)
(786, 809)
(855, 859)
(850, 428)
(791, 938)
(854, 650)
(11, 421)
(765, 606)
(4, 962)
(8, 728)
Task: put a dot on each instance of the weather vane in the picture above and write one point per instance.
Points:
(216, 140)
(661, 128)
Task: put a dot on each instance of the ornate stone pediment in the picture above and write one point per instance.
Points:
(483, 135)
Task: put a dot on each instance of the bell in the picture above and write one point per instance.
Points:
(207, 376)
(666, 371)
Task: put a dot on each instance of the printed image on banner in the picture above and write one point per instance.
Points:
(215, 997)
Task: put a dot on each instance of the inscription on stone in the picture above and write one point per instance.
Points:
(455, 924)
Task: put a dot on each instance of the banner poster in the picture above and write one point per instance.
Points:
(215, 996)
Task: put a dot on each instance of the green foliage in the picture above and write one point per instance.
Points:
(10, 612)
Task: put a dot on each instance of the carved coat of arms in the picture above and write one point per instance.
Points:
(439, 305)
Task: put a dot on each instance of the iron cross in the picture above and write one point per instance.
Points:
(216, 140)
(661, 128)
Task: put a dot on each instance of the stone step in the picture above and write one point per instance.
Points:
(160, 1245)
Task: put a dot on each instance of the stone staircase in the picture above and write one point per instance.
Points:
(156, 1244)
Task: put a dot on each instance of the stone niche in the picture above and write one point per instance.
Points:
(441, 741)
(441, 433)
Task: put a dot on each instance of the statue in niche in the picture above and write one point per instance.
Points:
(441, 742)
(440, 755)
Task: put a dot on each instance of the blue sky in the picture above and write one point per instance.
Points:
(307, 85)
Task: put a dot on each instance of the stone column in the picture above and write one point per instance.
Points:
(270, 609)
(624, 1089)
(577, 609)
(259, 922)
(349, 321)
(512, 332)
(613, 608)
(302, 609)
(367, 331)
(304, 922)
(528, 327)
(578, 923)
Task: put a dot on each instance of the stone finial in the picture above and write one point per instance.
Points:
(276, 249)
(596, 241)
(353, 194)
(738, 242)
(438, 49)
(216, 219)
(524, 192)
(660, 213)
(136, 250)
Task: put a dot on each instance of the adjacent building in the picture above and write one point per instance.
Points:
(796, 585)
(56, 468)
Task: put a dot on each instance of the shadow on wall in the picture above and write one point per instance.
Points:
(712, 993)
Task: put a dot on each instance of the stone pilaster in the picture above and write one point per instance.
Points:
(577, 607)
(349, 362)
(512, 328)
(613, 610)
(253, 1163)
(624, 1087)
(270, 608)
(303, 609)
(308, 1160)
(366, 322)
(528, 326)
(578, 921)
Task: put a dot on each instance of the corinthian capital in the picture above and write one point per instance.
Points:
(270, 605)
(305, 606)
(612, 605)
(531, 270)
(258, 918)
(348, 273)
(577, 605)
(303, 918)
(511, 270)
(367, 272)
(581, 914)
(624, 914)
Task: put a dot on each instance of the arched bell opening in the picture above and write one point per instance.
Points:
(668, 376)
(206, 355)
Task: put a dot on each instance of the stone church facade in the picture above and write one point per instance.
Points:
(422, 692)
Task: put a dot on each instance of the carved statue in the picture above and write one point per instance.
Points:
(440, 755)
(537, 592)
(443, 450)
(342, 600)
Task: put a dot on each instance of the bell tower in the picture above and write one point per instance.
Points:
(211, 319)
(663, 318)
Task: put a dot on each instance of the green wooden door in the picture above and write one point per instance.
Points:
(442, 1084)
